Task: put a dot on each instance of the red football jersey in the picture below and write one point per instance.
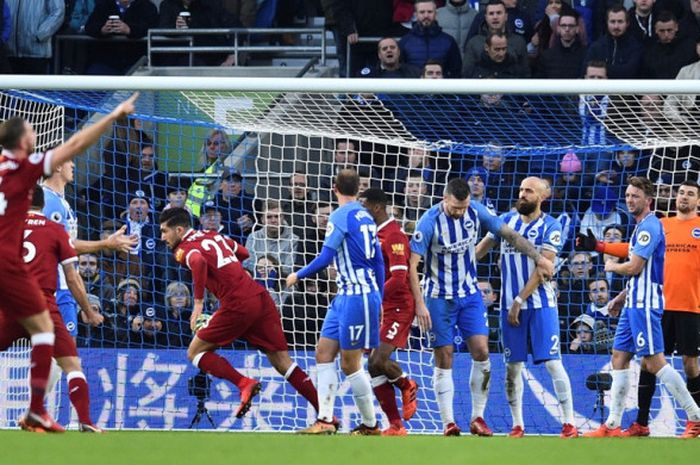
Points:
(225, 276)
(46, 245)
(396, 251)
(17, 181)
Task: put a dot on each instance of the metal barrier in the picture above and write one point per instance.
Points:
(239, 42)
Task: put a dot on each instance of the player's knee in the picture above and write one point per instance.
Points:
(375, 365)
(192, 352)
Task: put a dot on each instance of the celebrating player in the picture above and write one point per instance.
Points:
(397, 316)
(46, 245)
(22, 301)
(639, 328)
(529, 314)
(352, 322)
(445, 238)
(681, 318)
(246, 309)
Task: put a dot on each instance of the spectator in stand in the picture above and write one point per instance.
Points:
(604, 211)
(111, 56)
(211, 219)
(94, 278)
(390, 65)
(665, 195)
(517, 20)
(477, 178)
(618, 48)
(34, 24)
(267, 274)
(504, 177)
(178, 309)
(590, 336)
(6, 24)
(299, 204)
(495, 63)
(495, 19)
(598, 298)
(82, 9)
(418, 160)
(354, 20)
(216, 148)
(235, 205)
(117, 266)
(616, 283)
(303, 313)
(243, 12)
(426, 41)
(202, 15)
(575, 288)
(642, 20)
(177, 195)
(593, 108)
(432, 70)
(275, 238)
(683, 108)
(85, 332)
(456, 19)
(417, 200)
(148, 328)
(625, 164)
(544, 29)
(571, 183)
(116, 330)
(344, 156)
(665, 56)
(690, 24)
(493, 312)
(564, 58)
(312, 241)
(147, 177)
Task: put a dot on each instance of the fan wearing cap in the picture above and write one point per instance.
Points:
(126, 305)
(147, 328)
(478, 179)
(590, 336)
(139, 223)
(235, 205)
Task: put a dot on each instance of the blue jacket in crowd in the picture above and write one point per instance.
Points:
(422, 44)
(35, 23)
(623, 56)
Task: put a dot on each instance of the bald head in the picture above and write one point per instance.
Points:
(533, 191)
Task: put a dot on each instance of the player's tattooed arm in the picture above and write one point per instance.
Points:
(483, 247)
(522, 245)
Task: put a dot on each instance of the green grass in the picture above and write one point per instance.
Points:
(171, 448)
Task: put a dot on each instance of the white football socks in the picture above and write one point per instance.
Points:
(479, 383)
(54, 377)
(562, 388)
(676, 386)
(618, 392)
(364, 398)
(514, 392)
(327, 386)
(444, 387)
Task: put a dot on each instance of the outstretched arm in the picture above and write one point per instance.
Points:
(116, 241)
(87, 136)
(317, 264)
(588, 242)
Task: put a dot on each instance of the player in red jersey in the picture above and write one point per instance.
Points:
(246, 309)
(397, 316)
(46, 245)
(22, 301)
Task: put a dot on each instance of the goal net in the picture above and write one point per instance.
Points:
(259, 167)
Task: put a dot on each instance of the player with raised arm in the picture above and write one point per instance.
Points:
(529, 313)
(47, 246)
(351, 325)
(398, 312)
(681, 317)
(22, 300)
(639, 328)
(246, 309)
(445, 239)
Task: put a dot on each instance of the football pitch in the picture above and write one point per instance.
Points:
(171, 448)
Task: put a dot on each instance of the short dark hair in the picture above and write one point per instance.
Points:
(570, 12)
(38, 197)
(375, 196)
(691, 183)
(386, 38)
(458, 188)
(11, 132)
(320, 205)
(491, 35)
(598, 277)
(664, 17)
(618, 8)
(644, 184)
(173, 217)
(347, 182)
(430, 62)
(597, 64)
(495, 2)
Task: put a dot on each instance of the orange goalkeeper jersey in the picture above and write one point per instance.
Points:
(682, 267)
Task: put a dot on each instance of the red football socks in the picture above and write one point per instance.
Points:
(302, 383)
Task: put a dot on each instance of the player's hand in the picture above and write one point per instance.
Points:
(423, 317)
(137, 323)
(292, 279)
(120, 242)
(615, 305)
(196, 312)
(514, 314)
(611, 265)
(545, 268)
(94, 318)
(125, 108)
(585, 242)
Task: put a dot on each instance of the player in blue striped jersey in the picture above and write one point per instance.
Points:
(351, 325)
(639, 329)
(529, 315)
(445, 239)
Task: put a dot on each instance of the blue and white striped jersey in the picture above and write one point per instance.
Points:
(57, 209)
(545, 233)
(352, 233)
(646, 290)
(448, 249)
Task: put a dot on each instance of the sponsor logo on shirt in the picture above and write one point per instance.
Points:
(644, 238)
(397, 249)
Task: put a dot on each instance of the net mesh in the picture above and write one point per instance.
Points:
(259, 167)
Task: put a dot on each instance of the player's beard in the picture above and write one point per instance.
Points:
(685, 209)
(524, 207)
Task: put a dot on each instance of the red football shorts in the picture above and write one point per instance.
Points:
(254, 320)
(64, 346)
(396, 325)
(21, 296)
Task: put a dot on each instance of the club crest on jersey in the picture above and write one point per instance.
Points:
(532, 233)
(56, 217)
(179, 254)
(397, 249)
(329, 229)
(36, 158)
(469, 224)
(695, 233)
(644, 238)
(418, 236)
